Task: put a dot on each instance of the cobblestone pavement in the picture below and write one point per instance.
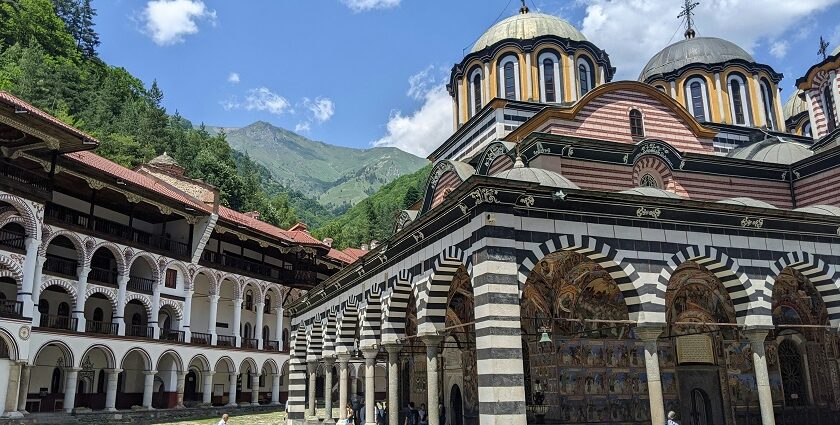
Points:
(276, 418)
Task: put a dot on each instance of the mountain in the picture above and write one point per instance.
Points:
(337, 177)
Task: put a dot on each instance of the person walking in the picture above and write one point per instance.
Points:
(423, 414)
(671, 417)
(224, 419)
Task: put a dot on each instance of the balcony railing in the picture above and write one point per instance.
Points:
(101, 328)
(140, 331)
(141, 284)
(271, 345)
(11, 309)
(61, 266)
(249, 343)
(102, 276)
(24, 179)
(113, 229)
(12, 239)
(225, 341)
(59, 322)
(171, 335)
(200, 338)
(240, 264)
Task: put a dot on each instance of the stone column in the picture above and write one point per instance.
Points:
(393, 383)
(111, 389)
(185, 322)
(762, 380)
(232, 390)
(259, 325)
(343, 359)
(312, 367)
(119, 318)
(12, 392)
(23, 394)
(153, 321)
(237, 321)
(275, 389)
(650, 336)
(79, 307)
(179, 397)
(148, 387)
(71, 374)
(6, 366)
(211, 327)
(328, 407)
(370, 400)
(36, 288)
(278, 323)
(432, 391)
(30, 262)
(255, 390)
(207, 383)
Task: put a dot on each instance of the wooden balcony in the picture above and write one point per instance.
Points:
(252, 268)
(24, 181)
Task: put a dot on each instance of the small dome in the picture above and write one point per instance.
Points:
(794, 105)
(535, 175)
(163, 159)
(526, 26)
(651, 192)
(821, 209)
(747, 202)
(774, 150)
(703, 50)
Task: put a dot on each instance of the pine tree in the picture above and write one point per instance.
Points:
(88, 38)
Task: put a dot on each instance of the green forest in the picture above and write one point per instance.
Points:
(48, 57)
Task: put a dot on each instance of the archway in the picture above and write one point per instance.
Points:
(456, 407)
(169, 366)
(194, 383)
(55, 302)
(226, 334)
(99, 312)
(582, 361)
(91, 379)
(459, 347)
(48, 375)
(63, 256)
(137, 311)
(132, 379)
(104, 268)
(143, 274)
(203, 288)
(221, 381)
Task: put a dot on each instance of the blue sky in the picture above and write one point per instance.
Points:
(370, 72)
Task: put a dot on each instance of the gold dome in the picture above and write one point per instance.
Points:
(526, 26)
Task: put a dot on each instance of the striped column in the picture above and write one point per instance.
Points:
(501, 382)
(297, 377)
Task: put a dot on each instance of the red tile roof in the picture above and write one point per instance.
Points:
(340, 256)
(295, 236)
(355, 253)
(16, 102)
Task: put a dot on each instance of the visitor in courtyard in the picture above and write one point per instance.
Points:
(442, 412)
(671, 416)
(423, 415)
(361, 417)
(348, 412)
(224, 419)
(380, 413)
(411, 415)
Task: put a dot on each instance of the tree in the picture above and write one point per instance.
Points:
(35, 20)
(88, 39)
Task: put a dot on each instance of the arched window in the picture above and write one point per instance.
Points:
(737, 95)
(648, 180)
(265, 333)
(661, 88)
(636, 125)
(97, 314)
(167, 322)
(806, 130)
(475, 91)
(550, 77)
(249, 300)
(247, 333)
(267, 305)
(829, 110)
(769, 110)
(64, 310)
(586, 76)
(136, 320)
(509, 77)
(55, 381)
(696, 98)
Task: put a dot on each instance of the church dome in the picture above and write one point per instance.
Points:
(701, 50)
(526, 26)
(794, 105)
(747, 202)
(535, 175)
(821, 209)
(775, 150)
(652, 192)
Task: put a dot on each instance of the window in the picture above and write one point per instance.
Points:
(737, 94)
(247, 332)
(769, 111)
(476, 91)
(586, 76)
(267, 305)
(636, 126)
(648, 180)
(64, 310)
(661, 88)
(806, 130)
(171, 280)
(265, 333)
(830, 112)
(510, 82)
(549, 73)
(249, 300)
(136, 320)
(696, 99)
(97, 315)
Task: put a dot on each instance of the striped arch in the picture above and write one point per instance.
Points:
(9, 267)
(253, 283)
(270, 366)
(315, 337)
(822, 276)
(122, 269)
(201, 360)
(737, 284)
(184, 270)
(623, 274)
(395, 307)
(212, 280)
(143, 300)
(330, 332)
(174, 305)
(61, 283)
(236, 282)
(30, 219)
(347, 327)
(11, 217)
(655, 166)
(444, 177)
(372, 319)
(432, 308)
(107, 292)
(78, 244)
(150, 260)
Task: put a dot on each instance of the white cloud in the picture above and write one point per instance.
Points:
(365, 5)
(260, 99)
(424, 81)
(632, 31)
(233, 78)
(779, 49)
(302, 127)
(321, 108)
(168, 21)
(425, 129)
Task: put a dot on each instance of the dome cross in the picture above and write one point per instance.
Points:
(524, 9)
(688, 13)
(823, 48)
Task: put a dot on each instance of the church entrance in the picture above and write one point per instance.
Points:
(190, 386)
(456, 406)
(700, 394)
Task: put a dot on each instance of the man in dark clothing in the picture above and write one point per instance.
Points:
(442, 411)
